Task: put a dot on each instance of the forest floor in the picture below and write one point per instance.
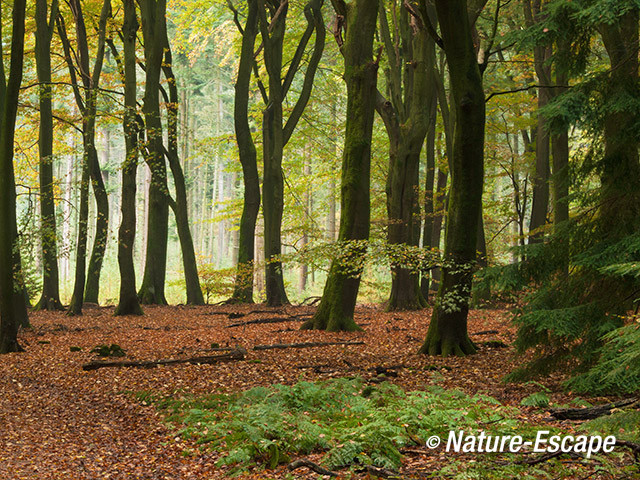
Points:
(60, 422)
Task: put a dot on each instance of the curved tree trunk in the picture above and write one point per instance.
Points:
(337, 306)
(243, 288)
(87, 104)
(447, 334)
(50, 299)
(128, 303)
(180, 206)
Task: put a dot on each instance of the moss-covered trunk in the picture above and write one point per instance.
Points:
(273, 201)
(128, 303)
(337, 306)
(406, 114)
(9, 92)
(50, 298)
(447, 334)
(243, 287)
(152, 14)
(273, 141)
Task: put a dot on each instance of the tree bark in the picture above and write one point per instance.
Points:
(620, 173)
(243, 287)
(9, 93)
(337, 306)
(429, 195)
(540, 202)
(180, 205)
(45, 23)
(447, 334)
(128, 303)
(406, 116)
(87, 105)
(153, 16)
(275, 132)
(440, 207)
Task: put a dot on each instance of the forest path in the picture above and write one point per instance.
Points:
(60, 422)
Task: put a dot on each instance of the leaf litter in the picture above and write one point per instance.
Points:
(60, 422)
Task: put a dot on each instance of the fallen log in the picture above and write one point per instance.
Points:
(282, 346)
(486, 332)
(267, 320)
(635, 448)
(303, 462)
(591, 412)
(237, 354)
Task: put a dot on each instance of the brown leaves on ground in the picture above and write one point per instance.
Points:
(59, 422)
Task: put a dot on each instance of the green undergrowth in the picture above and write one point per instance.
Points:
(352, 424)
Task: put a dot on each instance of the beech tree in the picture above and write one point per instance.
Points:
(337, 306)
(179, 204)
(45, 25)
(407, 114)
(10, 293)
(542, 54)
(153, 17)
(276, 131)
(243, 286)
(128, 303)
(447, 334)
(85, 90)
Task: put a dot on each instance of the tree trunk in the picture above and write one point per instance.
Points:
(540, 203)
(9, 259)
(447, 332)
(152, 14)
(620, 173)
(180, 206)
(406, 116)
(337, 306)
(50, 299)
(439, 207)
(87, 104)
(429, 197)
(92, 288)
(128, 303)
(243, 287)
(275, 132)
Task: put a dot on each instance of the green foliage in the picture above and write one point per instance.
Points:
(214, 282)
(618, 369)
(624, 425)
(350, 421)
(538, 399)
(567, 318)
